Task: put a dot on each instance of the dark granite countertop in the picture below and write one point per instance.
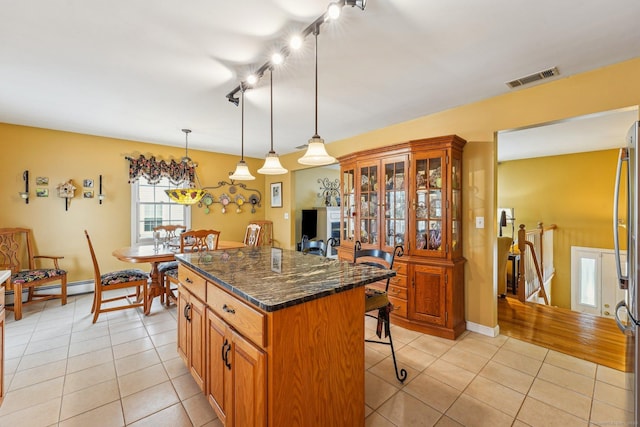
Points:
(272, 278)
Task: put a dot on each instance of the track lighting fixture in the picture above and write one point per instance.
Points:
(361, 4)
(333, 12)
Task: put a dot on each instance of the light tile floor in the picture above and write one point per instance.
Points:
(62, 370)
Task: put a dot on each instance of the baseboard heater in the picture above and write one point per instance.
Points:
(73, 288)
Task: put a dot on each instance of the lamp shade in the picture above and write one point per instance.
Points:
(185, 196)
(242, 172)
(316, 154)
(272, 165)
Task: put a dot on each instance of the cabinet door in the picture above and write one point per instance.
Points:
(217, 345)
(456, 204)
(197, 341)
(368, 229)
(427, 294)
(248, 367)
(183, 324)
(348, 226)
(428, 223)
(394, 206)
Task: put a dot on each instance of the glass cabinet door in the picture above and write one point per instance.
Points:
(395, 203)
(368, 209)
(429, 202)
(456, 206)
(348, 204)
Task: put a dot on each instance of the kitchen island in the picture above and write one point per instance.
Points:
(275, 337)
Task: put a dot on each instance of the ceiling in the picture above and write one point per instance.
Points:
(143, 70)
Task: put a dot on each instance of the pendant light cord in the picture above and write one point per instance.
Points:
(242, 130)
(271, 106)
(315, 33)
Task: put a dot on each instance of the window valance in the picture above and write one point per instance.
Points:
(154, 170)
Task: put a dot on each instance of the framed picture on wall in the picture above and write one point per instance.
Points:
(276, 195)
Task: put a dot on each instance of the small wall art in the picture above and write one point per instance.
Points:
(42, 192)
(87, 194)
(276, 195)
(42, 180)
(87, 183)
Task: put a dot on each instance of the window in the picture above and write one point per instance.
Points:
(150, 207)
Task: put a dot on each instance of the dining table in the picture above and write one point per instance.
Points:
(155, 255)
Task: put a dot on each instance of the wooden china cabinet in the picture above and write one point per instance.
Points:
(410, 194)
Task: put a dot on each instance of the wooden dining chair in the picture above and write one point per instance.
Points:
(121, 279)
(252, 235)
(376, 299)
(190, 241)
(171, 232)
(17, 251)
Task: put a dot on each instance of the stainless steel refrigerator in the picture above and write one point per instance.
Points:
(626, 225)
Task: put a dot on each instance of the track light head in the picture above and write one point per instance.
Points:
(360, 4)
(232, 99)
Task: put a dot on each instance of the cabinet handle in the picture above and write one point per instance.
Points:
(226, 356)
(188, 280)
(187, 308)
(228, 309)
(222, 355)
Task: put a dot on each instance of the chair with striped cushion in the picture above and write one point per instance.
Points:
(122, 279)
(18, 254)
(377, 304)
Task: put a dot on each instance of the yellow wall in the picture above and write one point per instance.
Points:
(307, 189)
(61, 156)
(575, 192)
(608, 88)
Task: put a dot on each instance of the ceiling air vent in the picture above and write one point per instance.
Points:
(545, 74)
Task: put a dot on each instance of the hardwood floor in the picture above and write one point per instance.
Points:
(588, 337)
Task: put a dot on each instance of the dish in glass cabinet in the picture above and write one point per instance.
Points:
(364, 181)
(364, 237)
(421, 211)
(420, 241)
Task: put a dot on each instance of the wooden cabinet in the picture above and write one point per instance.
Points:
(191, 334)
(2, 325)
(299, 365)
(236, 376)
(410, 194)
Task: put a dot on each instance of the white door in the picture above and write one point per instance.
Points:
(585, 280)
(594, 288)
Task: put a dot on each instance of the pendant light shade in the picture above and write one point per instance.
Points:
(272, 164)
(242, 170)
(186, 196)
(316, 154)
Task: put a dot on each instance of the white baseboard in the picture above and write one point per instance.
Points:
(484, 330)
(73, 288)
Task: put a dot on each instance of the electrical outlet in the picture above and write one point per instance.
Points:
(286, 215)
(479, 222)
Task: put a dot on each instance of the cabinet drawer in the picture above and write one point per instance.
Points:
(397, 292)
(192, 282)
(400, 281)
(400, 268)
(399, 306)
(247, 321)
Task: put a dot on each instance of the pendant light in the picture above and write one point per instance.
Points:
(242, 170)
(272, 164)
(316, 154)
(186, 196)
